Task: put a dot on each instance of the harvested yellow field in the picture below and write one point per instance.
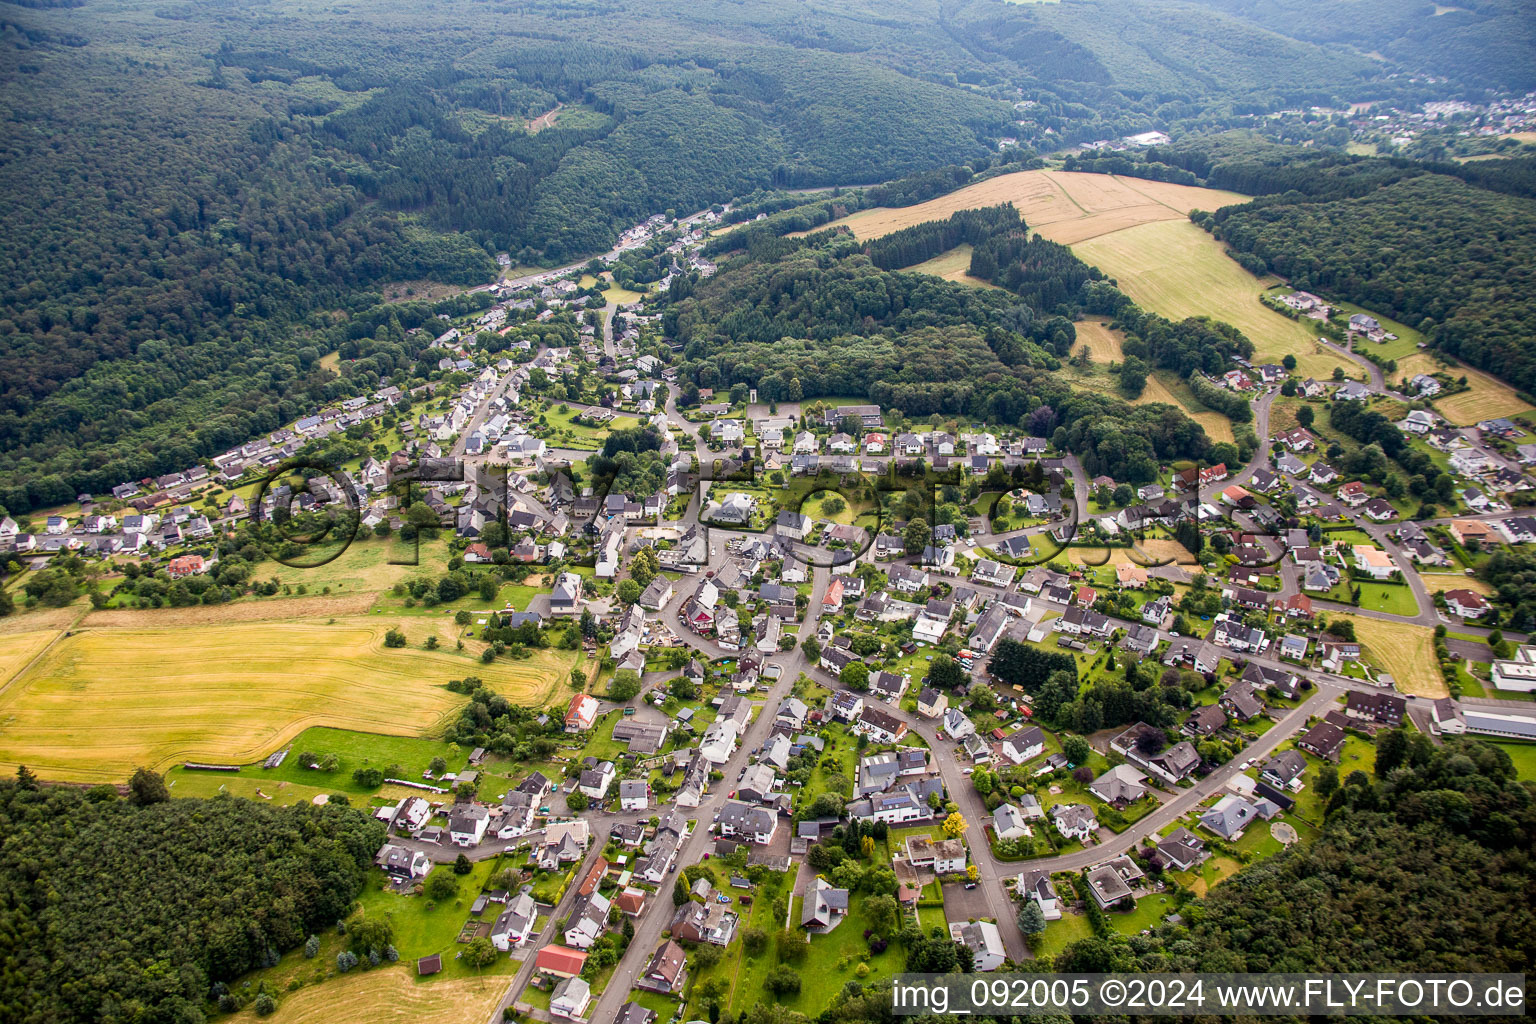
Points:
(1047, 198)
(1178, 270)
(1438, 582)
(1418, 362)
(954, 265)
(253, 610)
(1150, 551)
(1405, 651)
(104, 701)
(1103, 344)
(42, 618)
(17, 649)
(1217, 426)
(1486, 398)
(390, 996)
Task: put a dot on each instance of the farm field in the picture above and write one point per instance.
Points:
(1176, 269)
(1404, 650)
(368, 564)
(392, 994)
(1064, 206)
(105, 701)
(1485, 398)
(1216, 425)
(17, 649)
(1438, 582)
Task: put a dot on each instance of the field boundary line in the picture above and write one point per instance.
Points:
(1049, 176)
(32, 662)
(1151, 199)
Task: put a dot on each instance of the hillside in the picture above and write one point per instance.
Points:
(236, 188)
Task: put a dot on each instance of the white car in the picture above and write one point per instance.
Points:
(968, 771)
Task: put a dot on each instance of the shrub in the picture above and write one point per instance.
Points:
(783, 980)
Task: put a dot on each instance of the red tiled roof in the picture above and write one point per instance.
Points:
(560, 960)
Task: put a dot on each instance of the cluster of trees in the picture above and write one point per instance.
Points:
(490, 720)
(924, 241)
(1382, 440)
(1028, 666)
(817, 318)
(146, 907)
(1045, 274)
(1512, 572)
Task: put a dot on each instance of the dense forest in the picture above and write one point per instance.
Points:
(125, 910)
(1482, 43)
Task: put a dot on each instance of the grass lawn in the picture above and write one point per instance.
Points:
(741, 976)
(834, 959)
(664, 1007)
(815, 506)
(1149, 910)
(1357, 754)
(564, 432)
(106, 700)
(1394, 599)
(929, 918)
(1215, 870)
(355, 750)
(1524, 756)
(368, 564)
(422, 928)
(1058, 935)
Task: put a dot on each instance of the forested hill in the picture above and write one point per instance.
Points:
(1457, 261)
(818, 316)
(1485, 43)
(195, 195)
(119, 911)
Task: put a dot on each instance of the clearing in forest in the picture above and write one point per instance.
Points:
(954, 265)
(104, 701)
